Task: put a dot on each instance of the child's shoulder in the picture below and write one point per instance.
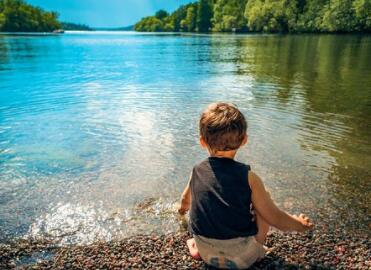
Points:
(211, 161)
(202, 163)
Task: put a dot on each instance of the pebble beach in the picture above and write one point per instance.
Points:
(319, 249)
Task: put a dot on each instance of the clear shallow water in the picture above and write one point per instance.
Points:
(98, 131)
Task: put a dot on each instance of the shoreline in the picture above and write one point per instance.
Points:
(320, 249)
(30, 34)
(192, 33)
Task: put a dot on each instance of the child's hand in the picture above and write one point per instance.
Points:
(185, 200)
(183, 208)
(304, 221)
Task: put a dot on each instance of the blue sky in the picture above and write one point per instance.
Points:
(106, 13)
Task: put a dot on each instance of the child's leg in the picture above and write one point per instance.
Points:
(193, 249)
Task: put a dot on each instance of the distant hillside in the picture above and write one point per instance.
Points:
(75, 26)
(124, 28)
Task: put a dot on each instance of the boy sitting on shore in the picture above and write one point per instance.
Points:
(230, 210)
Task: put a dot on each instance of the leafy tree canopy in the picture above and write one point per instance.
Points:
(264, 16)
(18, 16)
(75, 26)
(161, 14)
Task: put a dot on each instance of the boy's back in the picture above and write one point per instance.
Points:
(221, 206)
(221, 193)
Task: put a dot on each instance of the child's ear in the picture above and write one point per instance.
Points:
(202, 142)
(244, 140)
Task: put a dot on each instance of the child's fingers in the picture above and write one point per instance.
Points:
(304, 217)
(306, 221)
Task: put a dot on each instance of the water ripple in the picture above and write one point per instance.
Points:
(94, 124)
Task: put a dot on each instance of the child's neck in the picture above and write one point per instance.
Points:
(225, 154)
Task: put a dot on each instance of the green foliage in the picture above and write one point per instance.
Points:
(204, 15)
(182, 19)
(271, 15)
(75, 26)
(263, 16)
(229, 16)
(2, 20)
(190, 21)
(149, 24)
(347, 16)
(177, 16)
(161, 14)
(17, 16)
(310, 19)
(338, 16)
(362, 11)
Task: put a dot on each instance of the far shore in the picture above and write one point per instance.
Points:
(29, 33)
(97, 31)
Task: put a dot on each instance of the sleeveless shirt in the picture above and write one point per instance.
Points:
(221, 205)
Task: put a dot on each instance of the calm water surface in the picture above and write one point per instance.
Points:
(98, 131)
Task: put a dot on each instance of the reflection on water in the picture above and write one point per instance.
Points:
(98, 132)
(75, 223)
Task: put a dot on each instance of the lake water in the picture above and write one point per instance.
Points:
(98, 131)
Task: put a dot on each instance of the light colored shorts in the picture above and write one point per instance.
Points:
(236, 253)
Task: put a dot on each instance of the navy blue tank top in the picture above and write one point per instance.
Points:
(221, 205)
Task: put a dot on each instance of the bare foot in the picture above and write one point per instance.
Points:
(193, 249)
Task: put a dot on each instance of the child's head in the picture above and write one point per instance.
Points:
(222, 127)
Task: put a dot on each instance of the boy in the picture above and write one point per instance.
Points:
(230, 210)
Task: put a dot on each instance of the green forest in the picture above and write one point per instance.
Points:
(18, 16)
(275, 16)
(75, 26)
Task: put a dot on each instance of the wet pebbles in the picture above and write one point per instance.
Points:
(317, 250)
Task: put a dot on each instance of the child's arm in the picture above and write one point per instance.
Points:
(185, 199)
(264, 205)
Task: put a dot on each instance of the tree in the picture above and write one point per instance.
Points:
(310, 18)
(177, 16)
(263, 16)
(204, 15)
(2, 20)
(168, 24)
(271, 15)
(16, 16)
(149, 24)
(338, 16)
(189, 23)
(75, 26)
(362, 11)
(228, 15)
(161, 14)
(182, 19)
